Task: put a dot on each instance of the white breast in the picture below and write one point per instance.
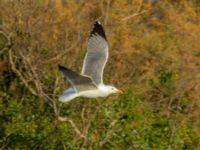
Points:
(92, 93)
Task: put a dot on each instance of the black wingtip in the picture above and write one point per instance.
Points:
(60, 67)
(98, 29)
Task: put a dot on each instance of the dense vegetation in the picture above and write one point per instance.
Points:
(154, 58)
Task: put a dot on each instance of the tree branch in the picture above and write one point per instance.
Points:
(8, 45)
(18, 73)
(109, 133)
(135, 14)
(64, 119)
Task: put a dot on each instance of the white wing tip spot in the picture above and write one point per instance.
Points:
(98, 22)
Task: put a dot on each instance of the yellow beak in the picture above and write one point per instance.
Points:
(119, 91)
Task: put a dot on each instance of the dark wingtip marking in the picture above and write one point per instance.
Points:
(60, 67)
(98, 29)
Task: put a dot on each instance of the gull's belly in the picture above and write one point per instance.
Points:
(92, 94)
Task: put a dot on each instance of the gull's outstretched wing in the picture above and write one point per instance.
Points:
(97, 54)
(79, 82)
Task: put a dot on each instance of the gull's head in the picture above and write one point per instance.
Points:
(113, 90)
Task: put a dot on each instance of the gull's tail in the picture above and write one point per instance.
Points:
(68, 95)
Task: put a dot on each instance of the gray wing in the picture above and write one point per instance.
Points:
(97, 54)
(79, 82)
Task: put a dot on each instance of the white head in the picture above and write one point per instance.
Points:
(112, 90)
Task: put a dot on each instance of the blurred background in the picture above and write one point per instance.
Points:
(154, 58)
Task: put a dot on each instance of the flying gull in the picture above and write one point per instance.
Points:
(89, 83)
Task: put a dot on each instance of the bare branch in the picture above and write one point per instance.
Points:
(109, 133)
(18, 73)
(64, 119)
(107, 12)
(140, 6)
(60, 55)
(8, 45)
(33, 74)
(128, 78)
(135, 14)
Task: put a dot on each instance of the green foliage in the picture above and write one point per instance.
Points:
(3, 41)
(167, 79)
(25, 125)
(184, 138)
(140, 128)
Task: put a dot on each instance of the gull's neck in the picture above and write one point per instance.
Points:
(103, 87)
